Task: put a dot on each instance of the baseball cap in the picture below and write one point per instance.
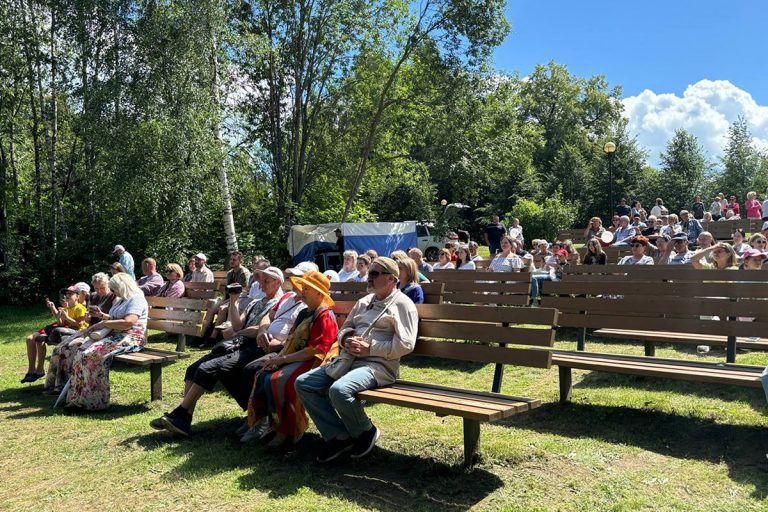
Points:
(680, 236)
(201, 256)
(301, 268)
(273, 272)
(81, 287)
(754, 253)
(118, 248)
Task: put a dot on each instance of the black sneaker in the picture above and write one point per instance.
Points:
(157, 423)
(178, 422)
(333, 448)
(365, 443)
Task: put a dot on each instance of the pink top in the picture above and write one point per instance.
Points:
(753, 209)
(735, 206)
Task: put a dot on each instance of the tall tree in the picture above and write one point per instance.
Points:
(683, 165)
(740, 161)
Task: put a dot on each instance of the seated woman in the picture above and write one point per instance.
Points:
(89, 388)
(739, 246)
(753, 259)
(465, 260)
(594, 254)
(594, 229)
(174, 287)
(663, 247)
(191, 270)
(348, 272)
(758, 241)
(363, 262)
(71, 314)
(409, 280)
(273, 404)
(723, 257)
(506, 260)
(638, 245)
(99, 304)
(443, 260)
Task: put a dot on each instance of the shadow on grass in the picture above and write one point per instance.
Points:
(29, 402)
(384, 480)
(740, 447)
(755, 397)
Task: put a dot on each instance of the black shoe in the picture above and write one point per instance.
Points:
(157, 423)
(365, 443)
(74, 409)
(178, 421)
(333, 448)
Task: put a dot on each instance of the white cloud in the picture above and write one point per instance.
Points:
(706, 109)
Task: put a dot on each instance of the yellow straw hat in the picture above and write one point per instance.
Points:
(317, 282)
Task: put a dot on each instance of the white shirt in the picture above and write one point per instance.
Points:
(345, 276)
(656, 211)
(630, 260)
(470, 265)
(285, 316)
(443, 266)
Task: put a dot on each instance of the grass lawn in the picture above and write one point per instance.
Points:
(625, 443)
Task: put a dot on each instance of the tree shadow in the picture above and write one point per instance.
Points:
(384, 480)
(755, 397)
(740, 447)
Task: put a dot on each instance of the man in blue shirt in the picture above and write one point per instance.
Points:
(624, 234)
(690, 226)
(125, 259)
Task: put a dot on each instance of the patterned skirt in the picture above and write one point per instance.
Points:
(274, 396)
(89, 381)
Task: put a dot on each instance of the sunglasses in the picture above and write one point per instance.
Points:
(375, 273)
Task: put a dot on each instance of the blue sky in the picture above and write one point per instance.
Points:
(715, 50)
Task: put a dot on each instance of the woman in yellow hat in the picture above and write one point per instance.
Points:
(274, 405)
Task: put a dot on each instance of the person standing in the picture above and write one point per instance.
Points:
(493, 233)
(698, 208)
(125, 259)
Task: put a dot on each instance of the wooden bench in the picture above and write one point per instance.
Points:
(574, 235)
(433, 292)
(154, 359)
(200, 290)
(663, 311)
(181, 316)
(723, 230)
(482, 288)
(612, 254)
(483, 333)
(716, 373)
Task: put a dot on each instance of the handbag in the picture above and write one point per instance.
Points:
(225, 347)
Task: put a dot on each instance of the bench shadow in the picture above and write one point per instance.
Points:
(384, 480)
(29, 402)
(740, 447)
(412, 361)
(755, 397)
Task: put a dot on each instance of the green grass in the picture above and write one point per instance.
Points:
(625, 443)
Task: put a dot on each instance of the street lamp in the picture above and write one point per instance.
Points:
(610, 149)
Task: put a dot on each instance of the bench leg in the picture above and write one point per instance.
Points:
(650, 348)
(498, 375)
(156, 381)
(582, 340)
(181, 343)
(471, 440)
(566, 380)
(730, 350)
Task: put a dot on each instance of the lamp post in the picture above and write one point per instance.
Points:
(610, 149)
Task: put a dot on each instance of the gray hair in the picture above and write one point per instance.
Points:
(100, 277)
(350, 253)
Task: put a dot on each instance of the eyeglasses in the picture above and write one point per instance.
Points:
(637, 245)
(375, 273)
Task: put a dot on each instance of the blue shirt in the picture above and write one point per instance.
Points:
(135, 305)
(414, 292)
(623, 234)
(693, 229)
(126, 260)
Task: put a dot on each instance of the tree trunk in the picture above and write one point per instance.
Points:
(51, 139)
(221, 168)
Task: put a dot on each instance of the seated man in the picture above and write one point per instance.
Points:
(677, 252)
(151, 282)
(237, 275)
(380, 329)
(416, 255)
(201, 274)
(625, 232)
(227, 360)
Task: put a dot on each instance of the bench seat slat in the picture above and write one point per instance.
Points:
(477, 395)
(382, 395)
(681, 337)
(720, 327)
(506, 408)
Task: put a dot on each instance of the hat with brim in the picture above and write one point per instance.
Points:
(200, 256)
(316, 281)
(302, 268)
(68, 290)
(640, 240)
(680, 236)
(273, 272)
(388, 264)
(754, 253)
(118, 248)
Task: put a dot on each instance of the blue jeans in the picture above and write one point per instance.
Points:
(333, 405)
(535, 285)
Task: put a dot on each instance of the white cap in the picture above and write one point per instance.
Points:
(118, 248)
(201, 256)
(301, 268)
(83, 287)
(332, 276)
(273, 272)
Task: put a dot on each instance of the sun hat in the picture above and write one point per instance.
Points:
(639, 240)
(302, 268)
(272, 272)
(82, 287)
(754, 253)
(315, 280)
(118, 248)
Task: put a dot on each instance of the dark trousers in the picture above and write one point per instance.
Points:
(229, 369)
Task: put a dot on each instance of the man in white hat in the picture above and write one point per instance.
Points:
(202, 273)
(125, 259)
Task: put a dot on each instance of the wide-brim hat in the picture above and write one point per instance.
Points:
(315, 280)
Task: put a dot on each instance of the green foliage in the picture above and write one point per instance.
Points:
(546, 219)
(740, 161)
(682, 171)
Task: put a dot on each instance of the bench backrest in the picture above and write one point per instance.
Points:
(691, 307)
(655, 273)
(201, 290)
(433, 292)
(723, 230)
(612, 254)
(574, 235)
(480, 330)
(176, 315)
(478, 287)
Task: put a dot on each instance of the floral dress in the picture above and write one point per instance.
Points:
(273, 393)
(89, 381)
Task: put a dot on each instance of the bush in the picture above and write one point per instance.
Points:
(545, 220)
